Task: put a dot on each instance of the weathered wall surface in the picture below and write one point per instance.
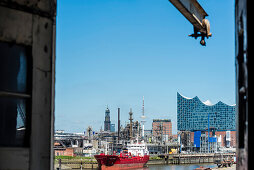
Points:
(32, 24)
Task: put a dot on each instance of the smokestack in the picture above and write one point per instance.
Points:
(130, 113)
(118, 124)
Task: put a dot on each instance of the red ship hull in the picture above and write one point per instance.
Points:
(114, 162)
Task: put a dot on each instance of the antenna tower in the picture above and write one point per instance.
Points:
(143, 118)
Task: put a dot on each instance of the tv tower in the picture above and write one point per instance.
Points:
(143, 118)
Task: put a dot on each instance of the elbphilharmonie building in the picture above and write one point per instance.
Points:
(194, 115)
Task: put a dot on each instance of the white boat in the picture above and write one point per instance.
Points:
(137, 148)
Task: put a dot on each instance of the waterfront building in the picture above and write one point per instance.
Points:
(224, 138)
(60, 149)
(208, 144)
(205, 144)
(112, 128)
(162, 129)
(107, 121)
(193, 115)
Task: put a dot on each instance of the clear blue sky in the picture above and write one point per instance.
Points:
(114, 52)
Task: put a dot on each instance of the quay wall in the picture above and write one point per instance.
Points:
(188, 158)
(165, 160)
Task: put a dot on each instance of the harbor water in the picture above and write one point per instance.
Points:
(178, 167)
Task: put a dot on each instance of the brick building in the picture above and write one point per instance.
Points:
(61, 150)
(162, 127)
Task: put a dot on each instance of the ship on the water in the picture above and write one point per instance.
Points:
(135, 156)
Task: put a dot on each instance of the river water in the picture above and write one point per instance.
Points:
(177, 167)
(174, 167)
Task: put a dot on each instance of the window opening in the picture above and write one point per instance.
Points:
(15, 94)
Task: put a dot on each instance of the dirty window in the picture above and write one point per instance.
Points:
(15, 94)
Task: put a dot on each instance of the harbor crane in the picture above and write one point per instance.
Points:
(195, 14)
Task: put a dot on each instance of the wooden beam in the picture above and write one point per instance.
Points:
(192, 11)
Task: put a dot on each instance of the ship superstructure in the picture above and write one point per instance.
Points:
(134, 156)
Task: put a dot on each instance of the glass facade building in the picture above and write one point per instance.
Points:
(193, 115)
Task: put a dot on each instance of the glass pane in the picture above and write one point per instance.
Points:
(14, 122)
(14, 68)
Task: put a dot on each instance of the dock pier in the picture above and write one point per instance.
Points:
(187, 158)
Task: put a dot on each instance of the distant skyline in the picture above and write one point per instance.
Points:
(112, 53)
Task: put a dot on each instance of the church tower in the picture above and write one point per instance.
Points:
(107, 120)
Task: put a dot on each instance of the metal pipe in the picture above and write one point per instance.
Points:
(118, 124)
